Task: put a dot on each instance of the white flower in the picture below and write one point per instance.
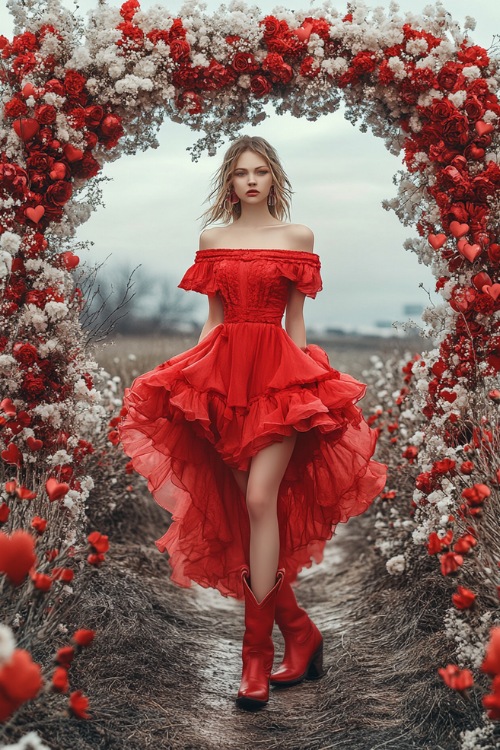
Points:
(5, 264)
(395, 564)
(10, 242)
(56, 310)
(7, 644)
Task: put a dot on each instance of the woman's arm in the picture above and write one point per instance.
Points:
(215, 315)
(294, 316)
(303, 237)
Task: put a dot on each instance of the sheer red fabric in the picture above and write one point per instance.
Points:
(245, 385)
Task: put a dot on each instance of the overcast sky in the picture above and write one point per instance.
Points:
(339, 177)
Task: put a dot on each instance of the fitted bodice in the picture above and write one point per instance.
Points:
(253, 284)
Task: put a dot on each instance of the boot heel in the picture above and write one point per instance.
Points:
(315, 669)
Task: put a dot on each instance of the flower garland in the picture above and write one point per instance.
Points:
(68, 108)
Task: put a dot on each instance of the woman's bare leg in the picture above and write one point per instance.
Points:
(266, 472)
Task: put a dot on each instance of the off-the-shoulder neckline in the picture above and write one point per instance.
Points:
(256, 249)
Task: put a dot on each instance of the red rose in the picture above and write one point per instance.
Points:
(456, 130)
(111, 128)
(260, 86)
(45, 114)
(450, 76)
(86, 167)
(39, 162)
(482, 187)
(93, 115)
(91, 140)
(58, 193)
(55, 86)
(474, 108)
(243, 62)
(272, 25)
(179, 50)
(26, 354)
(441, 110)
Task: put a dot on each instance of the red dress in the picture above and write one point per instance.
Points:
(242, 387)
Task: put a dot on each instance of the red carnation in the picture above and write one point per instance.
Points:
(15, 107)
(179, 50)
(26, 354)
(45, 114)
(74, 82)
(450, 76)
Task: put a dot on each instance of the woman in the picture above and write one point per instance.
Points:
(250, 438)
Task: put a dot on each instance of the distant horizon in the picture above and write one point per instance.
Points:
(339, 175)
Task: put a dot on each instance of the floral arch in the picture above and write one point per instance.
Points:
(68, 107)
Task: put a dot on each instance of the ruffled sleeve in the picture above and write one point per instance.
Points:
(305, 272)
(200, 277)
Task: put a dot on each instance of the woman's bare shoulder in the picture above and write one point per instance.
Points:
(301, 236)
(211, 238)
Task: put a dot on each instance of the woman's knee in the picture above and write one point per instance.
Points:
(261, 501)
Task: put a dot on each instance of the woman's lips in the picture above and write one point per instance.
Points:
(252, 192)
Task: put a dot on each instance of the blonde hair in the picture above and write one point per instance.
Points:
(221, 182)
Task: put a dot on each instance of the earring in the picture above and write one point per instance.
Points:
(231, 197)
(271, 198)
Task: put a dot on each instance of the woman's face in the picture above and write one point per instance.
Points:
(251, 172)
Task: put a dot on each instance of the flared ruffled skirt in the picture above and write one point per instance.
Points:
(213, 407)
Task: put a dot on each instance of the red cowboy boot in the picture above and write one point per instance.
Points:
(303, 658)
(258, 647)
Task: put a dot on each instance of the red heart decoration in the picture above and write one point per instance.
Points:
(55, 489)
(457, 229)
(29, 90)
(436, 240)
(35, 214)
(12, 454)
(58, 171)
(480, 279)
(26, 127)
(469, 251)
(303, 32)
(493, 291)
(71, 153)
(34, 444)
(8, 407)
(483, 127)
(475, 152)
(70, 260)
(17, 555)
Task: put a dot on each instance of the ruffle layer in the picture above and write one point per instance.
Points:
(184, 440)
(303, 268)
